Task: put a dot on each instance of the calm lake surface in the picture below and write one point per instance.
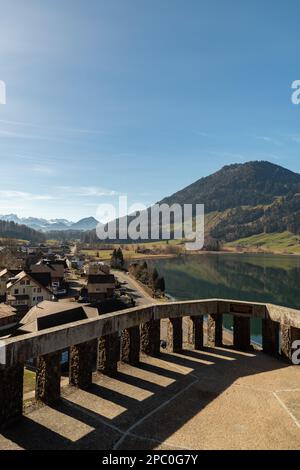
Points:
(262, 278)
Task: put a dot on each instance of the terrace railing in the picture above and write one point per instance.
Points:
(122, 335)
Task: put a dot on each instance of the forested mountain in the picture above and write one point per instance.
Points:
(242, 200)
(247, 184)
(22, 232)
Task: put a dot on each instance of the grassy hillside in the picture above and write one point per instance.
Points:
(284, 242)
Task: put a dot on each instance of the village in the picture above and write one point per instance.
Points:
(57, 274)
(48, 285)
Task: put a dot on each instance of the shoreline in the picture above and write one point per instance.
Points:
(201, 253)
(227, 333)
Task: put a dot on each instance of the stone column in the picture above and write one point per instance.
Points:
(81, 366)
(48, 373)
(11, 394)
(195, 331)
(130, 345)
(289, 334)
(241, 333)
(270, 337)
(214, 330)
(174, 335)
(150, 338)
(108, 354)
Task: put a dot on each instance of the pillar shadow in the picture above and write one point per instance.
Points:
(30, 435)
(159, 415)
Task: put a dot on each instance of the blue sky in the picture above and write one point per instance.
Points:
(140, 97)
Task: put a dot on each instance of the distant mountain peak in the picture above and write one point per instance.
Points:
(44, 225)
(87, 223)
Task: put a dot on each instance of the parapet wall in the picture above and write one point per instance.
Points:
(22, 348)
(122, 335)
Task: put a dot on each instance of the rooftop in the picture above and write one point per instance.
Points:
(23, 275)
(101, 278)
(48, 314)
(6, 310)
(43, 279)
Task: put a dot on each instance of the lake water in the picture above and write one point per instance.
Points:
(263, 278)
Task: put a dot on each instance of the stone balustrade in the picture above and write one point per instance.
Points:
(122, 335)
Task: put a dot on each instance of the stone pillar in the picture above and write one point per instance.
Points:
(174, 335)
(270, 337)
(241, 333)
(48, 373)
(289, 334)
(130, 345)
(108, 354)
(195, 331)
(81, 366)
(11, 394)
(214, 330)
(150, 338)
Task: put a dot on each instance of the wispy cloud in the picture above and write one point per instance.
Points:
(232, 156)
(43, 170)
(88, 191)
(24, 196)
(269, 140)
(17, 135)
(43, 131)
(294, 137)
(201, 134)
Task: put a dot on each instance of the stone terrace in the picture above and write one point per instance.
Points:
(203, 393)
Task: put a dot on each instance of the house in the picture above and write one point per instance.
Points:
(42, 278)
(100, 286)
(8, 319)
(96, 267)
(49, 314)
(55, 268)
(5, 275)
(24, 291)
(75, 262)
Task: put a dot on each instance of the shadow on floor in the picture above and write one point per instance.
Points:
(212, 369)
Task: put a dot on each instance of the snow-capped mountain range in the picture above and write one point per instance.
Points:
(45, 225)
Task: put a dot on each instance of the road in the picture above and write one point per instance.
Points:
(134, 289)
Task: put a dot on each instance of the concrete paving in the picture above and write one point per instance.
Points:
(211, 399)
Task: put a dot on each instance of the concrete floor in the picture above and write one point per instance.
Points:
(210, 399)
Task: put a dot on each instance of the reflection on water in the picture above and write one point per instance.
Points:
(262, 278)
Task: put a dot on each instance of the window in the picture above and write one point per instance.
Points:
(34, 289)
(39, 289)
(24, 290)
(16, 291)
(33, 298)
(27, 282)
(40, 299)
(22, 283)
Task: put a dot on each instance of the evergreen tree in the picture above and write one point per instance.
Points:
(160, 284)
(155, 276)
